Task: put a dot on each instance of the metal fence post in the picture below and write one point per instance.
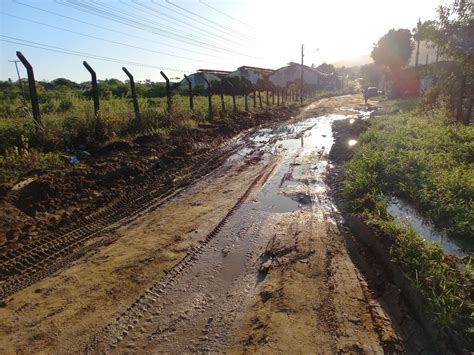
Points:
(168, 91)
(233, 94)
(190, 91)
(222, 97)
(209, 96)
(95, 89)
(134, 95)
(32, 89)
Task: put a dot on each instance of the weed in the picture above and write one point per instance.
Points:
(426, 159)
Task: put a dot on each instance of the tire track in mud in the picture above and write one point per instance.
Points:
(145, 306)
(41, 258)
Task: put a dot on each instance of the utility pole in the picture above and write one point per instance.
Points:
(19, 79)
(301, 88)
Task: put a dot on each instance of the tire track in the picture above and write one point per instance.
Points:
(114, 333)
(39, 259)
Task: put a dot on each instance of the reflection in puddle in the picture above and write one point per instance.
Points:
(277, 203)
(405, 215)
(299, 180)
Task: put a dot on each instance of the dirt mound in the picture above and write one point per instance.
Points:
(148, 139)
(34, 194)
(115, 146)
(14, 224)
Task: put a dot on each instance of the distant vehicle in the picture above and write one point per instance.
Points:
(370, 92)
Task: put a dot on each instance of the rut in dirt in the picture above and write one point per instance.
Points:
(36, 260)
(142, 175)
(194, 308)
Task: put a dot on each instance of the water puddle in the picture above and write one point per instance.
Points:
(299, 180)
(405, 215)
(277, 203)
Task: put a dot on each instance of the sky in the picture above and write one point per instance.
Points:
(182, 36)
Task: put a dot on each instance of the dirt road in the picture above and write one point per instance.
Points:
(250, 258)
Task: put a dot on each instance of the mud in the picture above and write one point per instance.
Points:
(254, 256)
(43, 209)
(58, 202)
(280, 254)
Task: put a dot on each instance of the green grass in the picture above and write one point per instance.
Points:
(69, 122)
(427, 160)
(423, 159)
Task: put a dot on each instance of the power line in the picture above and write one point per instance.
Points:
(105, 40)
(115, 31)
(169, 18)
(206, 19)
(219, 28)
(223, 13)
(97, 11)
(146, 27)
(208, 25)
(50, 48)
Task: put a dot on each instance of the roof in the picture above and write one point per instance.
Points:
(219, 73)
(264, 71)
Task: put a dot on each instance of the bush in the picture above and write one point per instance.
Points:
(19, 162)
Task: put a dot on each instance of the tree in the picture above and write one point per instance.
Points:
(424, 31)
(327, 68)
(394, 49)
(455, 38)
(371, 74)
(456, 33)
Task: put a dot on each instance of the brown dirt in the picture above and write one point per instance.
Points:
(92, 291)
(313, 297)
(52, 204)
(211, 269)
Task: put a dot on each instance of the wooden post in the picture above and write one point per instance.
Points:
(246, 102)
(190, 92)
(168, 91)
(254, 99)
(134, 95)
(278, 97)
(32, 89)
(95, 88)
(267, 99)
(260, 98)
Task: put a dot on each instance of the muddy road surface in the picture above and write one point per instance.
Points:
(249, 257)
